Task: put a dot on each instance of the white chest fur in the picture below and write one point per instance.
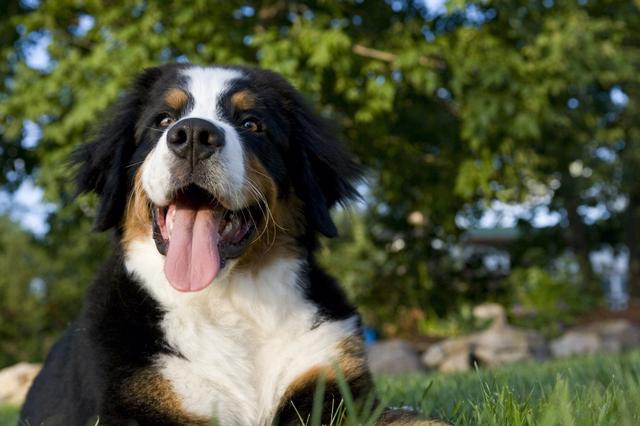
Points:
(243, 340)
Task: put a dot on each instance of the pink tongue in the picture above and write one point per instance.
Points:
(193, 260)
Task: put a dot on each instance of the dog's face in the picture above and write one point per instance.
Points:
(219, 165)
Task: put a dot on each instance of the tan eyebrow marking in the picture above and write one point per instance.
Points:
(176, 98)
(243, 99)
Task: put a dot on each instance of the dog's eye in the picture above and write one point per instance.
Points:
(251, 124)
(165, 121)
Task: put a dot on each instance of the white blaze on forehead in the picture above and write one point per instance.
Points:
(206, 85)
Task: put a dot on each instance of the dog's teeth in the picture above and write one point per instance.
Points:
(171, 215)
(227, 228)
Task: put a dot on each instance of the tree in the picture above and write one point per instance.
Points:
(20, 319)
(492, 100)
(551, 121)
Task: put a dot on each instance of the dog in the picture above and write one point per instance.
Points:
(217, 182)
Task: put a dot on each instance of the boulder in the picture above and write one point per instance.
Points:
(575, 343)
(457, 361)
(499, 344)
(490, 311)
(606, 336)
(15, 382)
(616, 335)
(453, 353)
(392, 357)
(433, 356)
(506, 345)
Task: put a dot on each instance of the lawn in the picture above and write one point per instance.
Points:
(8, 416)
(595, 390)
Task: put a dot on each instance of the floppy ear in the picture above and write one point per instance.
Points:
(325, 167)
(103, 162)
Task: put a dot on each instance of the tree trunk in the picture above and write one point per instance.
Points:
(579, 243)
(632, 241)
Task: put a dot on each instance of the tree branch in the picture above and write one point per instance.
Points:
(381, 55)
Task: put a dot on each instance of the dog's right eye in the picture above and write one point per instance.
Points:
(165, 120)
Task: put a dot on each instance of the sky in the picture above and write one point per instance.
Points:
(27, 207)
(436, 6)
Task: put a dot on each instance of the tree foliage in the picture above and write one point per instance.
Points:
(448, 110)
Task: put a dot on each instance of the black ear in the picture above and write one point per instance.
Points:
(326, 169)
(103, 162)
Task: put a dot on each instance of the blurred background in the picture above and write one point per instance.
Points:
(501, 141)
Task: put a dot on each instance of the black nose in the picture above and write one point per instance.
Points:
(195, 139)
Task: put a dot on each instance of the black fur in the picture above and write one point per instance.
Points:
(302, 402)
(105, 162)
(118, 333)
(310, 157)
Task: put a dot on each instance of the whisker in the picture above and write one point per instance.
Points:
(264, 199)
(268, 214)
(257, 196)
(154, 129)
(267, 220)
(134, 164)
(253, 192)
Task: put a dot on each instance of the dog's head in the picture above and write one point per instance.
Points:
(217, 165)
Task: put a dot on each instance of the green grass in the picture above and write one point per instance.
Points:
(596, 390)
(8, 416)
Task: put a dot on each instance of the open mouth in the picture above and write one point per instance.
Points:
(197, 234)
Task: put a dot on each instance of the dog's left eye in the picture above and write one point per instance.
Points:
(251, 124)
(165, 121)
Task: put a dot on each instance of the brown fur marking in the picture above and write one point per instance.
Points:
(147, 390)
(243, 100)
(402, 417)
(280, 223)
(353, 359)
(176, 98)
(312, 375)
(137, 222)
(351, 363)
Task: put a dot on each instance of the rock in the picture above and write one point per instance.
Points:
(459, 361)
(499, 344)
(438, 354)
(490, 311)
(506, 344)
(492, 348)
(393, 357)
(15, 382)
(502, 343)
(616, 335)
(433, 356)
(606, 336)
(575, 343)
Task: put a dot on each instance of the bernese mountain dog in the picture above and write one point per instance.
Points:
(217, 182)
